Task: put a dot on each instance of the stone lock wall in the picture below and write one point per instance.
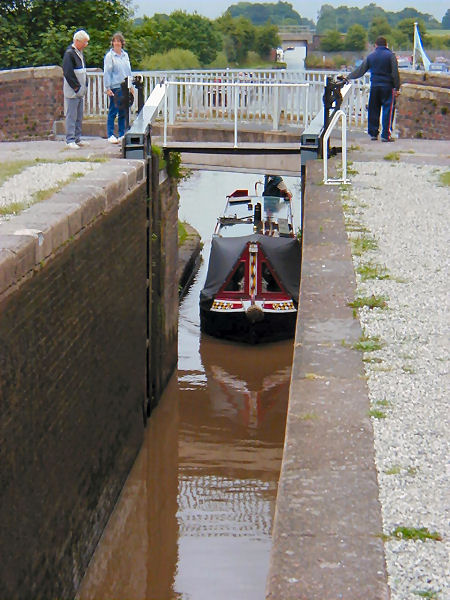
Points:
(423, 106)
(32, 100)
(165, 294)
(74, 363)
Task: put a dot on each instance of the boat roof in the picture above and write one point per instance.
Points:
(284, 254)
(238, 216)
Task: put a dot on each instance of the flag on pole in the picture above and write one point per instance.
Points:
(418, 46)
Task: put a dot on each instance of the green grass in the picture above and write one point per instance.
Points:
(444, 178)
(11, 168)
(308, 416)
(427, 594)
(363, 244)
(355, 226)
(438, 32)
(182, 233)
(369, 301)
(376, 413)
(383, 403)
(313, 376)
(394, 470)
(14, 208)
(371, 270)
(392, 156)
(348, 208)
(368, 344)
(415, 534)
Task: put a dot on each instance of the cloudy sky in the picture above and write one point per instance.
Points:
(308, 9)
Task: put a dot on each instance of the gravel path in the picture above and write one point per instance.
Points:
(21, 188)
(406, 209)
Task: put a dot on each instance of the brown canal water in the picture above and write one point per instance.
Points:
(194, 519)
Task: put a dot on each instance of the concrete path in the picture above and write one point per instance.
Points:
(57, 150)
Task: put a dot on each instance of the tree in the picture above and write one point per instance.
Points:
(411, 13)
(239, 37)
(327, 20)
(38, 31)
(331, 41)
(192, 32)
(172, 60)
(399, 40)
(342, 17)
(406, 27)
(281, 13)
(356, 38)
(379, 27)
(266, 38)
(446, 20)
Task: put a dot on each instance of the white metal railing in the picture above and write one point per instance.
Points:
(273, 97)
(338, 115)
(237, 101)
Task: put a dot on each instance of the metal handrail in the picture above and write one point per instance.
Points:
(235, 98)
(294, 108)
(339, 114)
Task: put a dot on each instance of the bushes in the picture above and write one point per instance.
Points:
(170, 61)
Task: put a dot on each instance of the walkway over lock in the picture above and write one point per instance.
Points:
(271, 99)
(166, 95)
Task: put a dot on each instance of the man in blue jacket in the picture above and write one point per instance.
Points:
(384, 88)
(75, 87)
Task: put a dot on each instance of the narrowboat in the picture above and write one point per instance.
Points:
(252, 284)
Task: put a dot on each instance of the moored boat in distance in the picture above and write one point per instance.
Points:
(252, 284)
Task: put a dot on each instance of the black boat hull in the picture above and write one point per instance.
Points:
(238, 328)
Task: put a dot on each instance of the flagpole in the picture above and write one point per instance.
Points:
(414, 47)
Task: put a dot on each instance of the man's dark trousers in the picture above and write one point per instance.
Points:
(381, 99)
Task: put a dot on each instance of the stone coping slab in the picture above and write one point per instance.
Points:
(35, 234)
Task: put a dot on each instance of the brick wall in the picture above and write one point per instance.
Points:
(32, 100)
(423, 106)
(73, 363)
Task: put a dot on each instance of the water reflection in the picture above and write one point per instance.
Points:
(230, 446)
(194, 519)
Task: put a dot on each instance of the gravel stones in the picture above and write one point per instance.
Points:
(21, 188)
(406, 209)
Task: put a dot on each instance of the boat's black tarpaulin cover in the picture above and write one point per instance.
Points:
(283, 254)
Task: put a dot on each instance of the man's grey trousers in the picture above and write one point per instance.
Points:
(74, 118)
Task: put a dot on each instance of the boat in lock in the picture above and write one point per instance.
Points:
(252, 285)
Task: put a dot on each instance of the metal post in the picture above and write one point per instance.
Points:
(166, 85)
(340, 114)
(138, 83)
(172, 90)
(235, 114)
(126, 102)
(276, 108)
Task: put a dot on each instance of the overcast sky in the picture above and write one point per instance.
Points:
(308, 9)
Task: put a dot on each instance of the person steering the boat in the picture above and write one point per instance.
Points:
(275, 186)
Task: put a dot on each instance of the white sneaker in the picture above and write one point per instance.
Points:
(73, 146)
(119, 140)
(113, 140)
(83, 143)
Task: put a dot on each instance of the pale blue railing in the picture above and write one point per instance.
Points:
(273, 97)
